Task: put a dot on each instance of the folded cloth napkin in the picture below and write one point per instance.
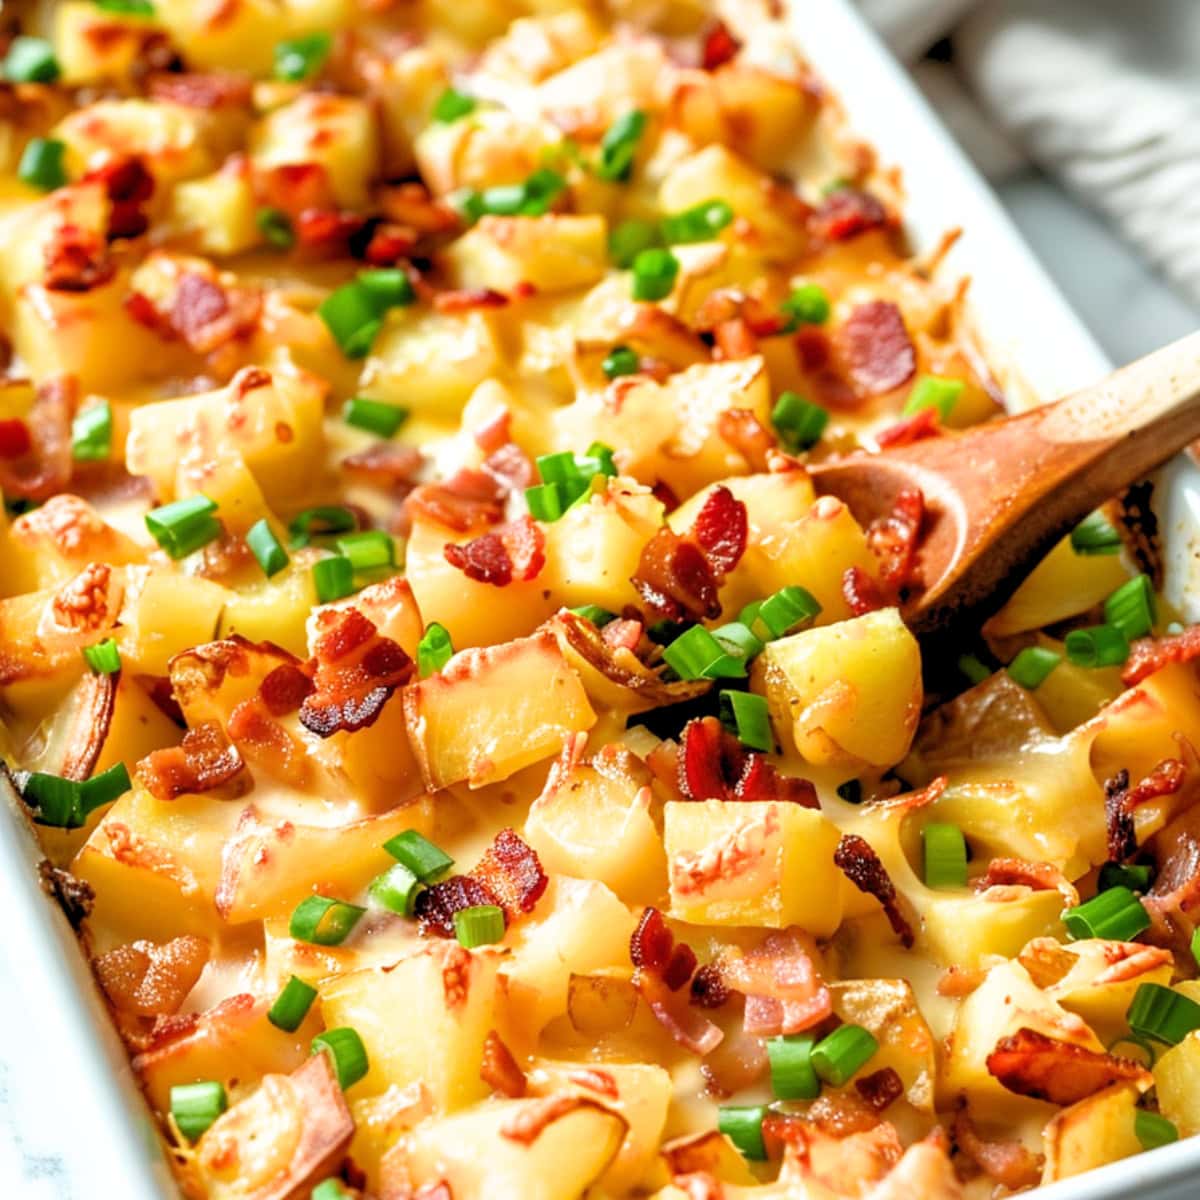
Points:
(1103, 94)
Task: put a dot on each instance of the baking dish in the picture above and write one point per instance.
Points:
(1038, 337)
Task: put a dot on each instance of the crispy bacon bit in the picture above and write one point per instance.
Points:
(204, 760)
(1009, 1163)
(197, 309)
(514, 551)
(1031, 1064)
(412, 205)
(467, 299)
(734, 340)
(265, 744)
(528, 1122)
(149, 979)
(1120, 801)
(653, 949)
(1148, 655)
(499, 1069)
(674, 578)
(435, 907)
(77, 260)
(876, 348)
(388, 464)
(512, 873)
(745, 433)
(846, 213)
(210, 90)
(959, 981)
(783, 988)
(74, 896)
(284, 689)
(295, 187)
(713, 765)
(129, 185)
(1007, 872)
(709, 989)
(860, 864)
(719, 46)
(327, 229)
(923, 424)
(622, 634)
(893, 539)
(14, 438)
(880, 1088)
(510, 467)
(860, 591)
(721, 529)
(355, 670)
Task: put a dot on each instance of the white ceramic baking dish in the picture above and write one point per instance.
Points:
(106, 1130)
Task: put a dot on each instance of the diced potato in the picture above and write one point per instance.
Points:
(406, 90)
(554, 253)
(491, 147)
(966, 930)
(492, 711)
(93, 45)
(753, 863)
(1175, 1076)
(274, 609)
(620, 76)
(847, 694)
(218, 210)
(423, 1019)
(171, 613)
(1092, 1132)
(65, 534)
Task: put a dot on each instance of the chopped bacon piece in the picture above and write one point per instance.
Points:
(686, 1026)
(328, 229)
(207, 90)
(1031, 1064)
(721, 529)
(709, 989)
(847, 212)
(1151, 654)
(1005, 872)
(295, 187)
(499, 1069)
(734, 340)
(1009, 1163)
(861, 592)
(355, 670)
(386, 463)
(1120, 801)
(463, 502)
(284, 689)
(877, 350)
(199, 310)
(653, 949)
(149, 979)
(387, 244)
(959, 981)
(204, 760)
(713, 765)
(783, 988)
(893, 539)
(675, 579)
(622, 633)
(880, 1088)
(858, 861)
(719, 46)
(77, 260)
(745, 433)
(14, 438)
(129, 184)
(435, 907)
(510, 467)
(412, 205)
(925, 423)
(467, 299)
(514, 551)
(512, 873)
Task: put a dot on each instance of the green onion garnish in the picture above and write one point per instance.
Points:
(792, 1074)
(425, 860)
(396, 889)
(104, 658)
(451, 105)
(329, 1189)
(745, 714)
(974, 668)
(533, 198)
(594, 613)
(183, 526)
(932, 391)
(567, 480)
(127, 8)
(346, 1049)
(619, 146)
(1032, 665)
(42, 164)
(354, 313)
(620, 361)
(1095, 534)
(781, 613)
(1195, 945)
(323, 921)
(265, 547)
(837, 1057)
(696, 654)
(629, 239)
(807, 305)
(1136, 877)
(479, 925)
(195, 1106)
(945, 851)
(700, 223)
(798, 422)
(739, 640)
(1131, 608)
(333, 578)
(30, 60)
(654, 273)
(91, 433)
(291, 1005)
(1153, 1130)
(742, 1125)
(367, 548)
(298, 58)
(1097, 646)
(375, 416)
(276, 227)
(434, 650)
(1115, 913)
(544, 502)
(1159, 1013)
(329, 518)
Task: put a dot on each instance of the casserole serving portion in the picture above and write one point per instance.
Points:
(477, 762)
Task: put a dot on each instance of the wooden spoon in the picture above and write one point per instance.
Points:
(999, 496)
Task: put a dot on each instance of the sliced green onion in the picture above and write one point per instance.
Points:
(1153, 1130)
(1097, 646)
(346, 1049)
(479, 925)
(807, 305)
(396, 889)
(781, 613)
(1131, 608)
(619, 146)
(329, 1189)
(323, 921)
(839, 1056)
(291, 1005)
(425, 860)
(932, 391)
(333, 578)
(329, 518)
(567, 480)
(1195, 945)
(451, 105)
(1159, 1013)
(103, 789)
(265, 547)
(368, 548)
(30, 60)
(1095, 534)
(276, 226)
(696, 654)
(42, 164)
(792, 1074)
(1136, 877)
(654, 273)
(127, 8)
(375, 416)
(195, 1106)
(91, 433)
(532, 198)
(974, 668)
(104, 657)
(1137, 1048)
(742, 1125)
(1116, 913)
(183, 526)
(629, 239)
(700, 223)
(851, 791)
(434, 650)
(298, 58)
(745, 714)
(945, 851)
(594, 613)
(798, 422)
(620, 361)
(354, 313)
(66, 803)
(544, 501)
(1032, 666)
(739, 640)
